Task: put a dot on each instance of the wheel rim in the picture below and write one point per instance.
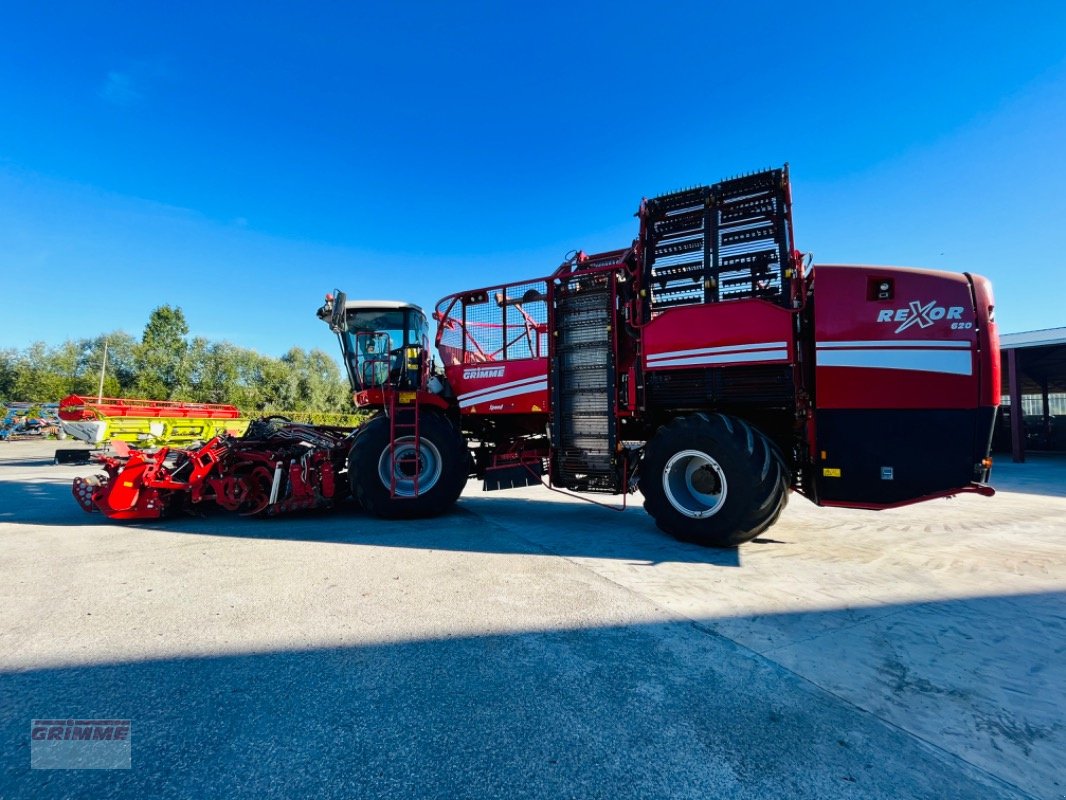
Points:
(695, 484)
(425, 461)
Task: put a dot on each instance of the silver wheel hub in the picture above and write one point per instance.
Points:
(407, 462)
(694, 484)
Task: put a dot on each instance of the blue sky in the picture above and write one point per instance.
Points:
(242, 159)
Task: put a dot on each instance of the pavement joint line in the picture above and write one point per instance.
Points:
(707, 630)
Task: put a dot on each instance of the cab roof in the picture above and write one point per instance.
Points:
(377, 305)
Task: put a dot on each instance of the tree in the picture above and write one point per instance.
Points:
(221, 375)
(121, 373)
(161, 357)
(280, 385)
(36, 378)
(164, 364)
(8, 363)
(318, 383)
(63, 363)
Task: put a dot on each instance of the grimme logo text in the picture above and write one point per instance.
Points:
(93, 730)
(483, 372)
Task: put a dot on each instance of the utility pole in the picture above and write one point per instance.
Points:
(103, 368)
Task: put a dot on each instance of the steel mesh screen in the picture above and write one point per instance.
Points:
(502, 324)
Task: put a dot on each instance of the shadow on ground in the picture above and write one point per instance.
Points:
(649, 710)
(1041, 473)
(570, 529)
(27, 462)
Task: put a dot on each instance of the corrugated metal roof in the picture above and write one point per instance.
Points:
(1041, 338)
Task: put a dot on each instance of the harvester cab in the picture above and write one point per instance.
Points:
(384, 343)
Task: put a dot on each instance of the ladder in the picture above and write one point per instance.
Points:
(404, 420)
(404, 409)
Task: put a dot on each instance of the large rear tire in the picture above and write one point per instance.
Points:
(441, 464)
(713, 480)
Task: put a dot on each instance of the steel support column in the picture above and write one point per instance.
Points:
(1047, 413)
(1017, 417)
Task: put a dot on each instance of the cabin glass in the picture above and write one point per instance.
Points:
(380, 345)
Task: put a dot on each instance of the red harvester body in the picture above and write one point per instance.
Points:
(704, 363)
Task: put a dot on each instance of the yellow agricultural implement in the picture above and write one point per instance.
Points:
(147, 422)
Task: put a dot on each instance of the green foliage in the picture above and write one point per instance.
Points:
(161, 359)
(166, 365)
(42, 373)
(121, 361)
(323, 418)
(8, 364)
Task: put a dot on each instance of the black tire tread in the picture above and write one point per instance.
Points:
(373, 496)
(758, 478)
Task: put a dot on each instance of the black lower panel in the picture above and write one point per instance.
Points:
(73, 456)
(880, 456)
(514, 477)
(766, 385)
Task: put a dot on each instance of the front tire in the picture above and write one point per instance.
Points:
(713, 479)
(440, 463)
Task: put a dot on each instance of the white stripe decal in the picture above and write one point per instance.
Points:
(535, 387)
(951, 362)
(898, 343)
(497, 387)
(726, 358)
(708, 350)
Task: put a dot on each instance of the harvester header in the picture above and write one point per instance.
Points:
(160, 422)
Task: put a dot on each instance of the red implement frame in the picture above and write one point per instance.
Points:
(292, 468)
(75, 407)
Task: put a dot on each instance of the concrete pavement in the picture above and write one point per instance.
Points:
(533, 645)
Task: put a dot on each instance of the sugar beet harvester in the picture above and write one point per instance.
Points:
(703, 364)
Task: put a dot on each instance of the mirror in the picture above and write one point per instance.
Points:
(338, 323)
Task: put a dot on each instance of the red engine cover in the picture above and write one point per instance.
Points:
(916, 347)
